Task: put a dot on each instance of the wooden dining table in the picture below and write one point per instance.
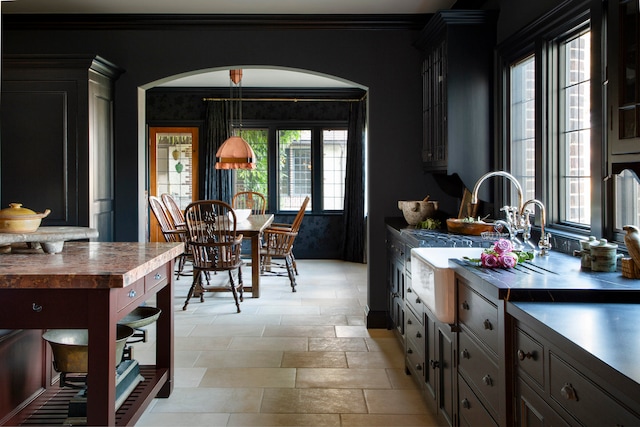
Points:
(252, 228)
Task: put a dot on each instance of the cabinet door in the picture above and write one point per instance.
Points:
(624, 65)
(434, 108)
(533, 411)
(447, 374)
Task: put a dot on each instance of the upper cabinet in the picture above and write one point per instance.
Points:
(624, 83)
(457, 92)
(57, 138)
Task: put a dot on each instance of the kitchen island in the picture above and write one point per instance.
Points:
(92, 285)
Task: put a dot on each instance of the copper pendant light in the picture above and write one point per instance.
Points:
(235, 152)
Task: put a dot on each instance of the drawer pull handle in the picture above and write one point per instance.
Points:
(487, 325)
(465, 305)
(522, 355)
(418, 335)
(434, 364)
(466, 404)
(418, 301)
(36, 307)
(568, 392)
(409, 322)
(409, 290)
(132, 294)
(464, 354)
(418, 367)
(158, 276)
(487, 380)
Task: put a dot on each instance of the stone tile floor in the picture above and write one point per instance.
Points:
(288, 359)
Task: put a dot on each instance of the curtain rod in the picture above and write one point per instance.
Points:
(286, 99)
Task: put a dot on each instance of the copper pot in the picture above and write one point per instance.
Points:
(16, 219)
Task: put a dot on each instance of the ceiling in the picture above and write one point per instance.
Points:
(252, 76)
(227, 7)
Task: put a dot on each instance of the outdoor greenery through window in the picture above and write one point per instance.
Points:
(293, 163)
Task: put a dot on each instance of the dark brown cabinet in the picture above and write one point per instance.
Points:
(57, 113)
(457, 89)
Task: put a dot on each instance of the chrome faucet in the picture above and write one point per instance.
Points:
(545, 238)
(513, 213)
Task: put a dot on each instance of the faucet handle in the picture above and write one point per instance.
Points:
(545, 244)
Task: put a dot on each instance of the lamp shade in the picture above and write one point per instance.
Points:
(235, 153)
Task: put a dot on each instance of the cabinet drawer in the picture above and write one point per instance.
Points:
(479, 315)
(131, 294)
(414, 331)
(414, 302)
(529, 355)
(481, 371)
(471, 411)
(584, 399)
(415, 362)
(532, 410)
(158, 277)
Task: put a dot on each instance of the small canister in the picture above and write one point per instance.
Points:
(604, 256)
(585, 253)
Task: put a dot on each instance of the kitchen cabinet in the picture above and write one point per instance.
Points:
(480, 353)
(623, 87)
(398, 270)
(557, 381)
(93, 286)
(58, 114)
(457, 89)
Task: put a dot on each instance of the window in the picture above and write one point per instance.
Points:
(295, 162)
(575, 129)
(522, 113)
(547, 126)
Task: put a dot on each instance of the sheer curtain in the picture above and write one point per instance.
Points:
(217, 183)
(353, 242)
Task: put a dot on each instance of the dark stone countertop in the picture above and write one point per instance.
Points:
(555, 277)
(607, 331)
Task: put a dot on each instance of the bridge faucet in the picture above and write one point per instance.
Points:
(545, 238)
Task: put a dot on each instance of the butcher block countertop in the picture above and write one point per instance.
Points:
(85, 265)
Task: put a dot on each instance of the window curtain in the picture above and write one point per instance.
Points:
(217, 182)
(353, 243)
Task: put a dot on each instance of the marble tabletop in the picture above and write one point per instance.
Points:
(86, 265)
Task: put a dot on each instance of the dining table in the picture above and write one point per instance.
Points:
(252, 228)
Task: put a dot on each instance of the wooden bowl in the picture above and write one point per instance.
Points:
(458, 226)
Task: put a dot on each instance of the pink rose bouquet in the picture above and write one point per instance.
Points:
(502, 255)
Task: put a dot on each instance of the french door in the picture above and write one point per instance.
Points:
(173, 168)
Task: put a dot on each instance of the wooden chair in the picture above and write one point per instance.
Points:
(170, 232)
(215, 246)
(278, 243)
(250, 200)
(175, 213)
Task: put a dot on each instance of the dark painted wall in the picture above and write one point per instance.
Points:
(384, 61)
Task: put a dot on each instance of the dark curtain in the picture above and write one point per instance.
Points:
(217, 183)
(353, 243)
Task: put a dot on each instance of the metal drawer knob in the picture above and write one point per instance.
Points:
(434, 364)
(409, 290)
(418, 335)
(464, 354)
(418, 367)
(568, 392)
(132, 294)
(522, 355)
(466, 404)
(409, 322)
(465, 305)
(158, 276)
(487, 380)
(409, 351)
(36, 307)
(487, 325)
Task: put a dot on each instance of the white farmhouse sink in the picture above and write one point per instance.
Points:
(433, 280)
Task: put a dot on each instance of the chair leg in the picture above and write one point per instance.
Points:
(234, 291)
(293, 261)
(196, 278)
(241, 285)
(290, 272)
